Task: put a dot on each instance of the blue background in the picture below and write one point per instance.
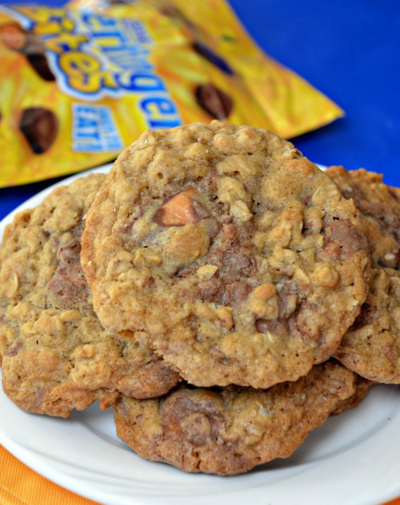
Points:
(348, 49)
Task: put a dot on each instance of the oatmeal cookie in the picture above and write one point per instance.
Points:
(55, 354)
(362, 387)
(231, 430)
(228, 252)
(371, 347)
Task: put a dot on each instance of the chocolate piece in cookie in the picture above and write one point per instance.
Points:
(40, 128)
(55, 354)
(371, 347)
(228, 252)
(231, 430)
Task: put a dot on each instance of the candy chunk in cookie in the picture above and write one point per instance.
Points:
(181, 209)
(261, 263)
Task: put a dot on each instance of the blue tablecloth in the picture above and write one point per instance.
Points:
(350, 50)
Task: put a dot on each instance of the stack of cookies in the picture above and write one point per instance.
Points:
(220, 292)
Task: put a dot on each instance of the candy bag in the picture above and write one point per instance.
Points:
(80, 83)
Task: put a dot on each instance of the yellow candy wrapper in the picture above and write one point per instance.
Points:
(80, 83)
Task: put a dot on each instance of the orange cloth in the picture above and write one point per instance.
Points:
(19, 485)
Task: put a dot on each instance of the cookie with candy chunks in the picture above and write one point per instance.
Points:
(55, 354)
(227, 252)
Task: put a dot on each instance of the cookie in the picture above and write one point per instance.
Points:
(371, 347)
(228, 252)
(231, 430)
(362, 387)
(55, 354)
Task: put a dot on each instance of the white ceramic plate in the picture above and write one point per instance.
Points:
(353, 459)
